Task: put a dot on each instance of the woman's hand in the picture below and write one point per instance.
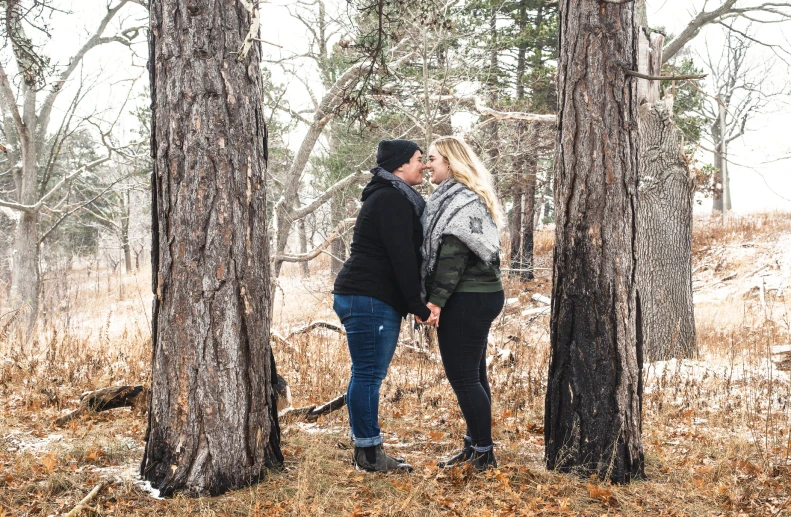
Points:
(434, 318)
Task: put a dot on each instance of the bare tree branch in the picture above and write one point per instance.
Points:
(77, 208)
(325, 196)
(32, 209)
(336, 232)
(9, 101)
(95, 40)
(686, 77)
(479, 105)
(727, 9)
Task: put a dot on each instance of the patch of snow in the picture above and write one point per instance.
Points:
(146, 487)
(25, 442)
(689, 369)
(127, 474)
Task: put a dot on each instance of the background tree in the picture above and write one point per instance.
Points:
(27, 112)
(663, 270)
(212, 422)
(593, 404)
(742, 89)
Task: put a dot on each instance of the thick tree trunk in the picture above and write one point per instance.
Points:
(594, 392)
(25, 275)
(664, 239)
(213, 423)
(664, 223)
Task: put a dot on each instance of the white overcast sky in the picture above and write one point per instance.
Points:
(760, 180)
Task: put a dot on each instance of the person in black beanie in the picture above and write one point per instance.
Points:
(378, 286)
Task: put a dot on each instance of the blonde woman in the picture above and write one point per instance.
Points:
(461, 278)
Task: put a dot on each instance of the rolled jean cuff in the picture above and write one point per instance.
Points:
(485, 448)
(367, 442)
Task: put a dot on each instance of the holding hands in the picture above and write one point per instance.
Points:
(433, 320)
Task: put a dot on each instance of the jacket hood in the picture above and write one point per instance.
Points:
(375, 184)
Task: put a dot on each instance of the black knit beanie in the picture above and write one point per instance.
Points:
(392, 154)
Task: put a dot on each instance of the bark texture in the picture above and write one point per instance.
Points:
(213, 423)
(664, 239)
(594, 393)
(25, 271)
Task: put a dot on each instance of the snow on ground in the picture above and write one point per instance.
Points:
(725, 272)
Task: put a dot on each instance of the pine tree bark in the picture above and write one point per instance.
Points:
(664, 239)
(594, 392)
(212, 423)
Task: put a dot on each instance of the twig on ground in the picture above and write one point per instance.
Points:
(82, 505)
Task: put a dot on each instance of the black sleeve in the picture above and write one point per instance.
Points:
(394, 224)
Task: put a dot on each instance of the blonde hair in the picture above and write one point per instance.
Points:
(466, 168)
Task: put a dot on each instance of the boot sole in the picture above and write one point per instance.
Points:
(396, 470)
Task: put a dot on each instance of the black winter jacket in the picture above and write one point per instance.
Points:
(384, 262)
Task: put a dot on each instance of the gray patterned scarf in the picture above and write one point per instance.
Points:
(454, 209)
(414, 197)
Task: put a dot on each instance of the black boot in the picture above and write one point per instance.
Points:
(399, 460)
(373, 459)
(460, 457)
(483, 460)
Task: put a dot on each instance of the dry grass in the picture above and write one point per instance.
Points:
(716, 431)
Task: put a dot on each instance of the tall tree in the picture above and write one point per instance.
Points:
(212, 422)
(593, 403)
(743, 88)
(663, 273)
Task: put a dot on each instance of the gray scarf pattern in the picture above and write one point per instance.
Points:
(414, 197)
(454, 209)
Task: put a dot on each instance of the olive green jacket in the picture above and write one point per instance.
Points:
(459, 270)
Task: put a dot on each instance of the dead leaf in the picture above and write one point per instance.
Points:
(49, 462)
(94, 453)
(603, 494)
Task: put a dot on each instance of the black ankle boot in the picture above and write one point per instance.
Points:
(398, 459)
(373, 459)
(460, 457)
(483, 460)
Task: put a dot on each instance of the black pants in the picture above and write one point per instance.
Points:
(463, 334)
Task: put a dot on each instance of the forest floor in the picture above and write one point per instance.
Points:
(716, 430)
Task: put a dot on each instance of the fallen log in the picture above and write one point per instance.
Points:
(540, 298)
(316, 325)
(312, 413)
(421, 352)
(781, 357)
(108, 398)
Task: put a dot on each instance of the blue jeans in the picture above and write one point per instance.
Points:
(372, 329)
